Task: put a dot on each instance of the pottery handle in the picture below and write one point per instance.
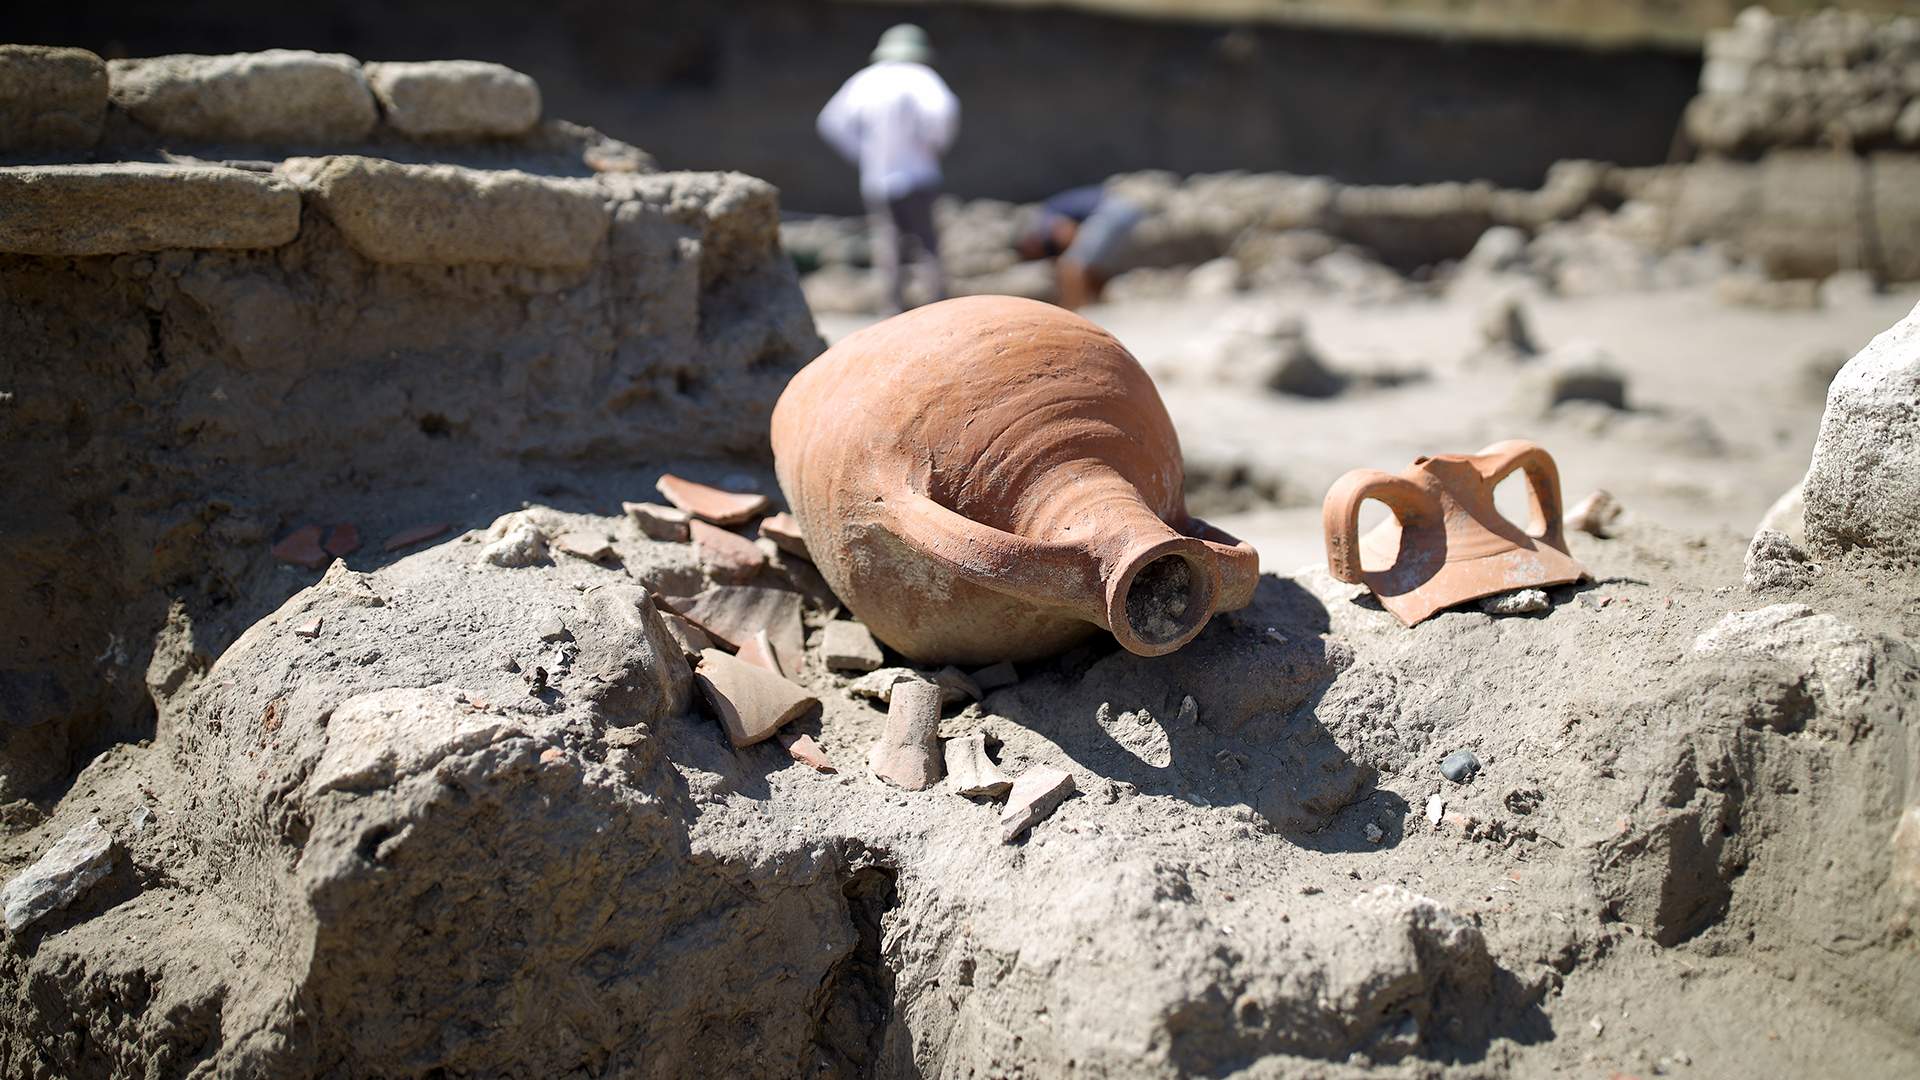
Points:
(1543, 484)
(1236, 565)
(1059, 574)
(1340, 514)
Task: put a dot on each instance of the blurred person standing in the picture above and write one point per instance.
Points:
(894, 119)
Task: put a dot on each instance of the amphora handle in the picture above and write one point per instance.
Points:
(1340, 514)
(1497, 462)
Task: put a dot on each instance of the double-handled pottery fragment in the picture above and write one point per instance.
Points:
(1445, 542)
(991, 478)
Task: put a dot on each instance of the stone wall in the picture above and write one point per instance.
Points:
(1841, 79)
(197, 357)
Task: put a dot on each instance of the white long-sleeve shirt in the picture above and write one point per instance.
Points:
(894, 119)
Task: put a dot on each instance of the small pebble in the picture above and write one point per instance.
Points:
(552, 629)
(1436, 806)
(1375, 833)
(308, 629)
(1459, 766)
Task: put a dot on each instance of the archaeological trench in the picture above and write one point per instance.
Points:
(348, 727)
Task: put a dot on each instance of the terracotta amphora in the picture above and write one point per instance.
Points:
(991, 478)
(1445, 543)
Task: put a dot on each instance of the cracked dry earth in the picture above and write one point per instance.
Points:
(375, 851)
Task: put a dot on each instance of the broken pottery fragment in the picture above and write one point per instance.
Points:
(994, 676)
(732, 613)
(895, 450)
(658, 522)
(730, 556)
(68, 869)
(302, 547)
(957, 685)
(590, 546)
(711, 503)
(847, 646)
(758, 651)
(908, 753)
(342, 541)
(806, 751)
(1445, 543)
(879, 685)
(784, 531)
(752, 703)
(801, 574)
(1595, 514)
(689, 637)
(418, 534)
(1036, 794)
(971, 770)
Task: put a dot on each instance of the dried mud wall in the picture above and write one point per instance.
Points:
(1052, 98)
(190, 354)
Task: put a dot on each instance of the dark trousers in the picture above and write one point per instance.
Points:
(895, 223)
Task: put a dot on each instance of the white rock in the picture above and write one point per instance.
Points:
(1518, 602)
(523, 545)
(58, 878)
(1863, 491)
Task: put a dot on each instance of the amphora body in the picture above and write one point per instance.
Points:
(991, 478)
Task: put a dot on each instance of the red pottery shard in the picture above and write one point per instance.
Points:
(807, 752)
(784, 531)
(711, 503)
(991, 478)
(419, 534)
(734, 613)
(751, 703)
(758, 651)
(302, 548)
(1445, 543)
(342, 541)
(728, 554)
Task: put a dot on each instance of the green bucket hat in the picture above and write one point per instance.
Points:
(904, 42)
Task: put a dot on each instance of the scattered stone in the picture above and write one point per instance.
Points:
(994, 676)
(309, 629)
(1036, 794)
(972, 771)
(711, 503)
(1577, 371)
(450, 215)
(1595, 514)
(1375, 833)
(784, 531)
(1500, 249)
(726, 554)
(1775, 562)
(751, 703)
(658, 522)
(280, 96)
(689, 637)
(1863, 492)
(908, 752)
(807, 752)
(1504, 333)
(342, 541)
(1215, 278)
(455, 99)
(553, 628)
(1271, 351)
(536, 681)
(552, 755)
(522, 545)
(1436, 806)
(591, 546)
(140, 817)
(1460, 766)
(418, 534)
(68, 869)
(1518, 602)
(759, 652)
(732, 613)
(50, 97)
(849, 646)
(1189, 714)
(302, 547)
